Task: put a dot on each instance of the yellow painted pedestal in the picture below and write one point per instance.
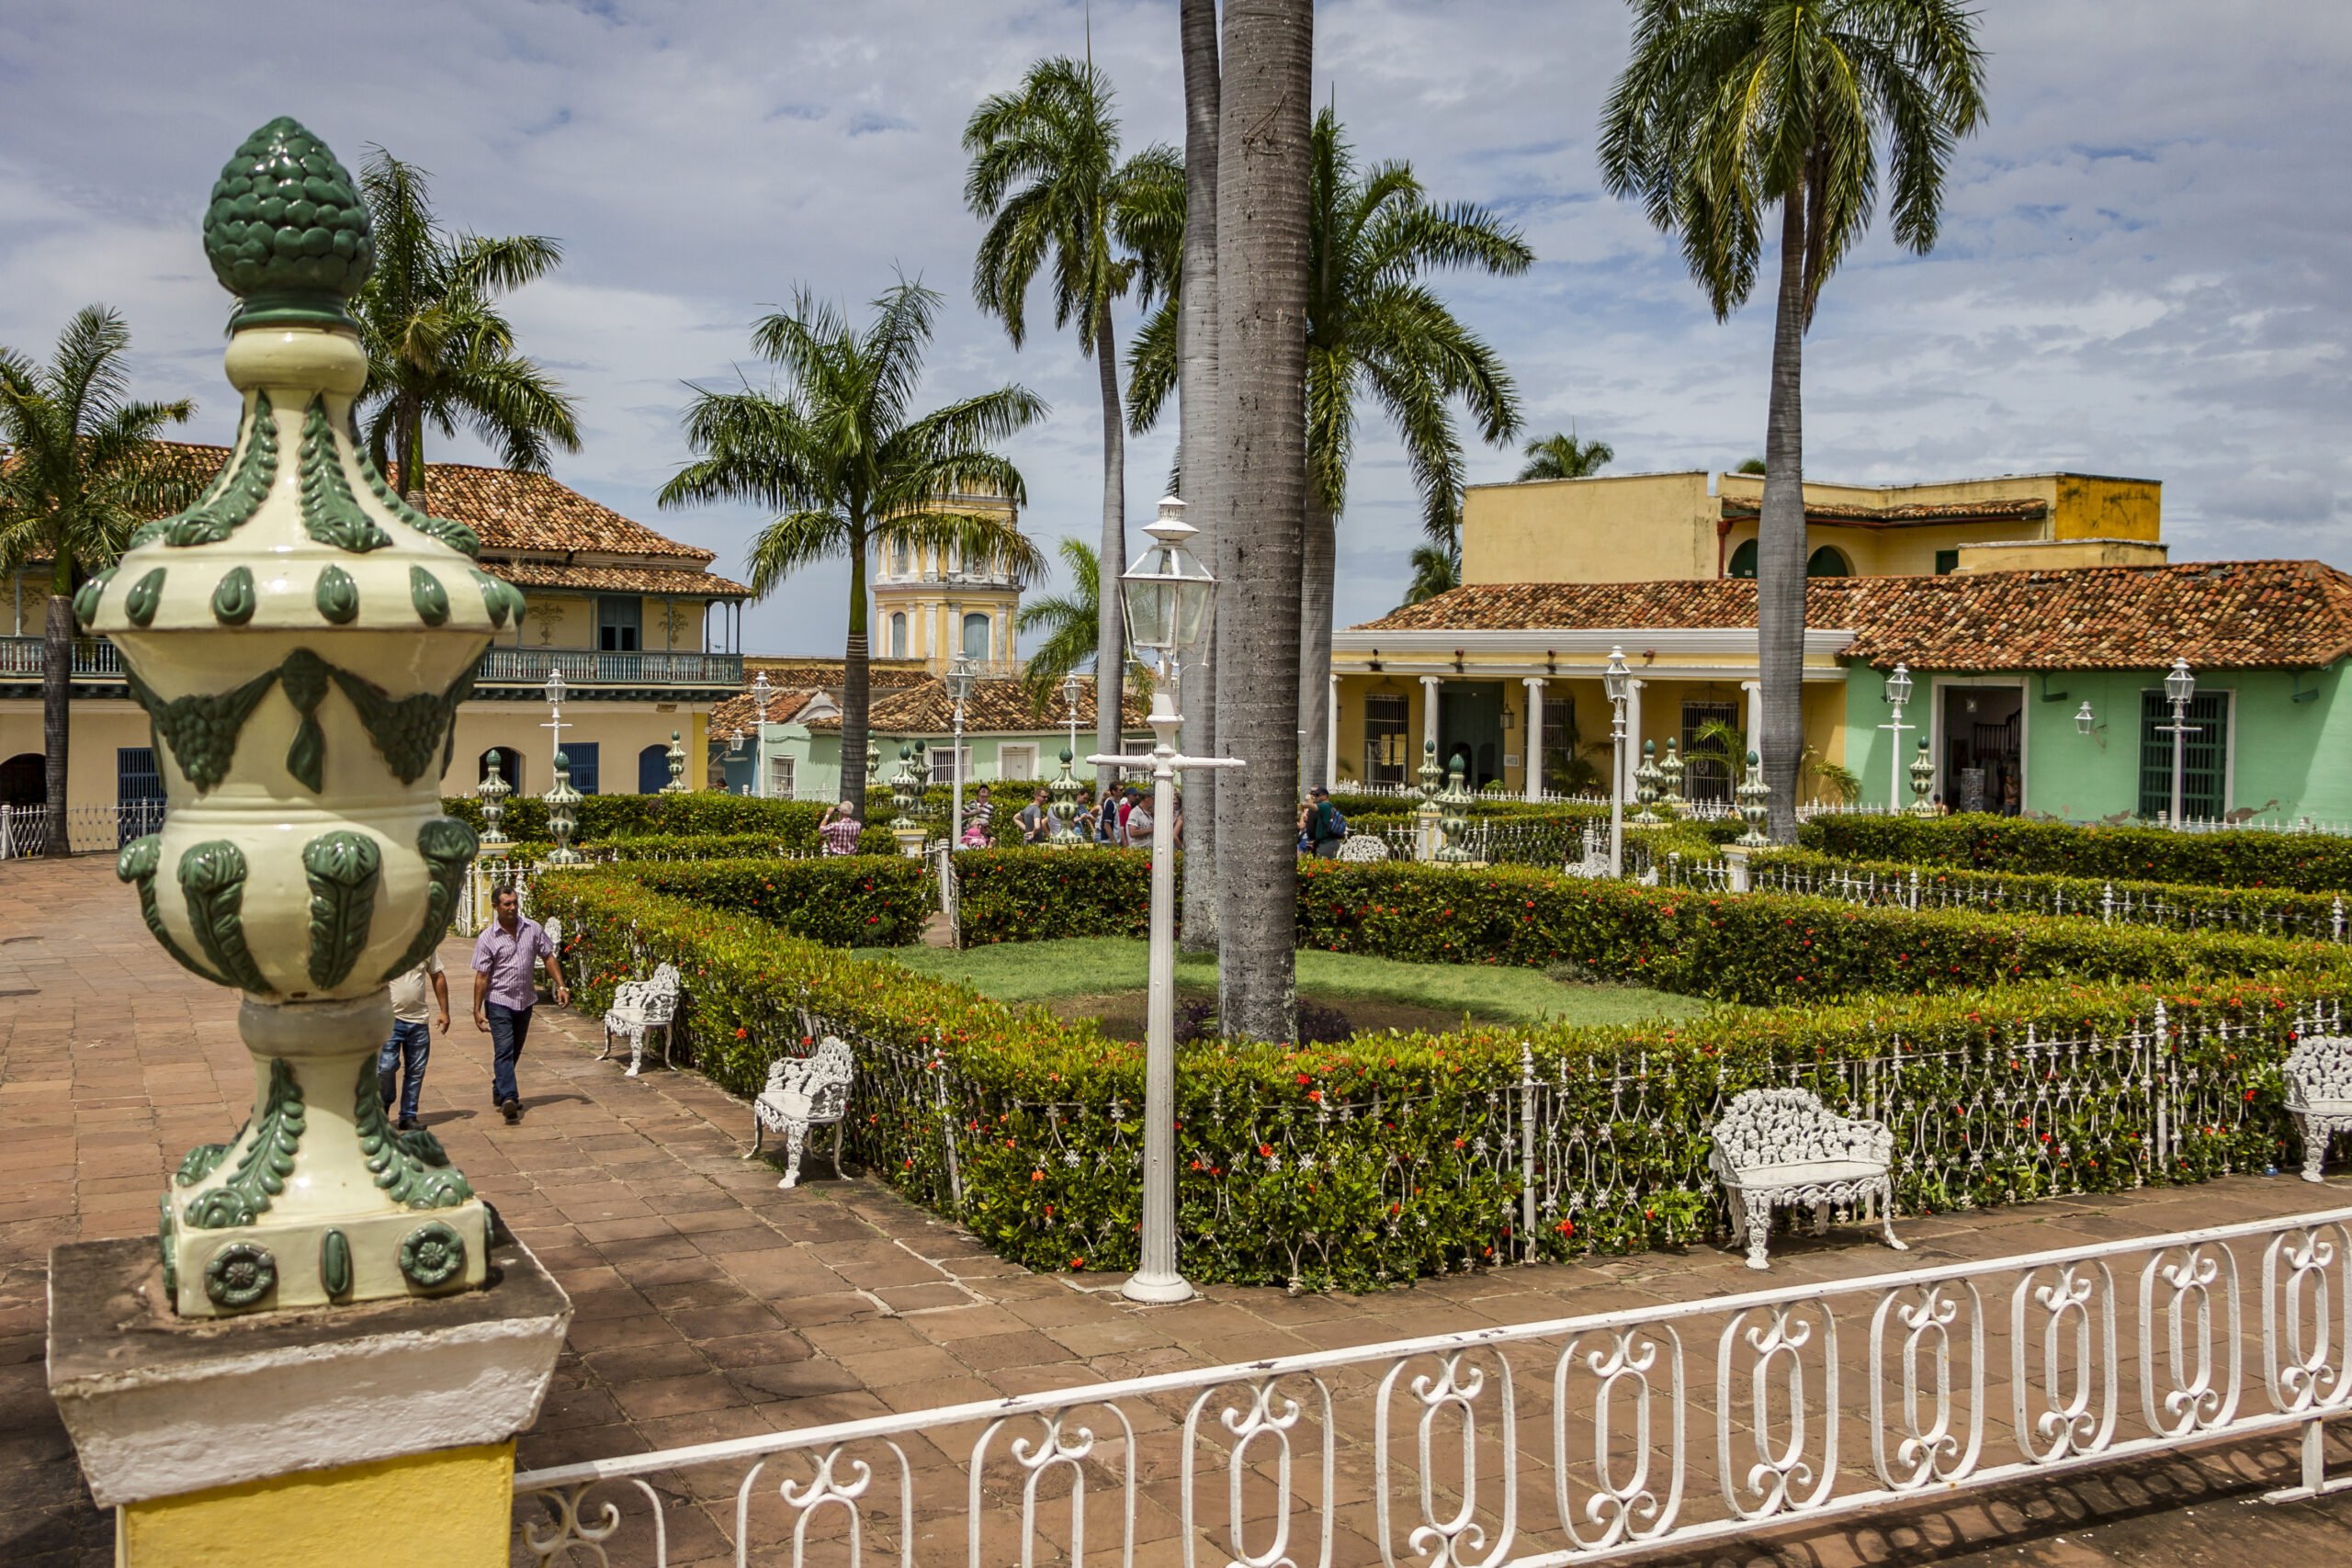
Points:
(448, 1508)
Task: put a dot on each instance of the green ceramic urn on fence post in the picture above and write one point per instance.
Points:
(300, 638)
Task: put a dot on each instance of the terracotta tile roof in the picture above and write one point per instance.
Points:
(788, 670)
(511, 512)
(614, 578)
(740, 712)
(2216, 614)
(2024, 508)
(994, 708)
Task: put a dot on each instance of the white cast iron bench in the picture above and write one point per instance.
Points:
(2319, 1094)
(804, 1092)
(639, 1006)
(1362, 847)
(1781, 1147)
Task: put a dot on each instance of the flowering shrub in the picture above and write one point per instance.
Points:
(847, 901)
(789, 824)
(2305, 863)
(1388, 1157)
(1036, 894)
(700, 846)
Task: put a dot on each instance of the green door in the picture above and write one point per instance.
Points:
(1470, 728)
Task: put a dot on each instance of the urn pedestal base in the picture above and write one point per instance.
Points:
(317, 1199)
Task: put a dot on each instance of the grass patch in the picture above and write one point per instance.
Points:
(1045, 971)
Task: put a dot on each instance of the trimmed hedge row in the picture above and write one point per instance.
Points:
(2168, 905)
(703, 813)
(843, 901)
(1391, 1157)
(2306, 863)
(1755, 948)
(699, 846)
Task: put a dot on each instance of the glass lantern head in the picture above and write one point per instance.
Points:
(960, 679)
(2085, 721)
(1169, 593)
(555, 687)
(1071, 685)
(2180, 685)
(735, 742)
(1618, 679)
(1898, 686)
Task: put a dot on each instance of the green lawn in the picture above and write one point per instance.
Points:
(1044, 971)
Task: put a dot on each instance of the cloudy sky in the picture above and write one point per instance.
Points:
(2142, 269)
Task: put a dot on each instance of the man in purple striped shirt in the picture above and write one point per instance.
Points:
(504, 992)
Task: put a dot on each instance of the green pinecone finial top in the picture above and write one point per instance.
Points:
(287, 232)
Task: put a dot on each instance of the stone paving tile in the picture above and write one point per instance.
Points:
(708, 1304)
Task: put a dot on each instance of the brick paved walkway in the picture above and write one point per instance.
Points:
(710, 1304)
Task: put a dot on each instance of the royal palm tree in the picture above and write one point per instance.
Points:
(439, 351)
(1437, 569)
(1373, 326)
(1728, 108)
(79, 473)
(1047, 175)
(1071, 622)
(1196, 449)
(835, 452)
(1560, 456)
(1264, 158)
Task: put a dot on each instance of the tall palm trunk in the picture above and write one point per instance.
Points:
(1197, 458)
(56, 702)
(1318, 560)
(1779, 536)
(856, 742)
(1111, 657)
(412, 453)
(1262, 178)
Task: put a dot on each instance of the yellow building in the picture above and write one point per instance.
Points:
(644, 634)
(930, 605)
(1657, 527)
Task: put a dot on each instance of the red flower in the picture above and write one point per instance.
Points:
(742, 1033)
(1036, 1176)
(1266, 1151)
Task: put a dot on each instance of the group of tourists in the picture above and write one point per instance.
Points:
(505, 992)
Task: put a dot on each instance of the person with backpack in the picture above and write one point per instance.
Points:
(1326, 828)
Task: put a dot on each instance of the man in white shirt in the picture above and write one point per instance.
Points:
(411, 1040)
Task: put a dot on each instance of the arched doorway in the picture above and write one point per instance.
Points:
(652, 770)
(1743, 561)
(1829, 561)
(510, 766)
(24, 780)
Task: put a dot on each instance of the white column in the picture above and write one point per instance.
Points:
(1532, 750)
(1755, 690)
(1631, 758)
(1331, 736)
(1429, 718)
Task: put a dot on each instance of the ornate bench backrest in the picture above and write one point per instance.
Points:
(822, 1076)
(1364, 847)
(2320, 1067)
(1791, 1126)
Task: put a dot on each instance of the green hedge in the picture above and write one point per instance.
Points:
(1393, 1157)
(2168, 905)
(2306, 863)
(790, 825)
(1755, 948)
(700, 846)
(843, 901)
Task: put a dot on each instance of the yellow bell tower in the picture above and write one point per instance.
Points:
(932, 606)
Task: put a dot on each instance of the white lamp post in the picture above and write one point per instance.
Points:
(2179, 687)
(554, 725)
(1619, 681)
(959, 686)
(1898, 692)
(1169, 597)
(760, 732)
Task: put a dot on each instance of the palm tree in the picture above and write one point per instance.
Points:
(1196, 448)
(1728, 107)
(1437, 569)
(836, 454)
(1071, 622)
(1373, 325)
(79, 473)
(1046, 174)
(1264, 158)
(1560, 456)
(439, 352)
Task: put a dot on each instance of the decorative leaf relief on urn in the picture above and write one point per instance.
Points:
(447, 847)
(343, 868)
(212, 879)
(137, 865)
(274, 1141)
(235, 493)
(411, 1167)
(201, 729)
(330, 513)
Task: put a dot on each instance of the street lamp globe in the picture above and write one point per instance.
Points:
(1617, 678)
(735, 742)
(2180, 685)
(1072, 686)
(1169, 593)
(1898, 686)
(960, 679)
(2085, 721)
(555, 687)
(760, 694)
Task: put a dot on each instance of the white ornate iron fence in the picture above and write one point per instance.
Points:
(24, 830)
(1580, 1440)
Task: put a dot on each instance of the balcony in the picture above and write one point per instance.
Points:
(587, 674)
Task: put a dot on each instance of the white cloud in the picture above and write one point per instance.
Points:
(2141, 268)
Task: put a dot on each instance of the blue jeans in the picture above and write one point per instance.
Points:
(412, 1044)
(509, 1027)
